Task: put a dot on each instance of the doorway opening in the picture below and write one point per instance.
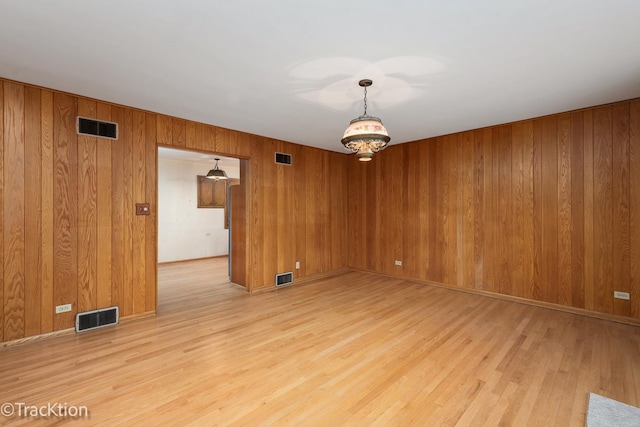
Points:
(194, 216)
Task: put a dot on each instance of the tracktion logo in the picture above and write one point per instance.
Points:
(50, 410)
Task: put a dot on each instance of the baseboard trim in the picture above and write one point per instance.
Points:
(191, 259)
(542, 304)
(39, 337)
(304, 280)
(68, 331)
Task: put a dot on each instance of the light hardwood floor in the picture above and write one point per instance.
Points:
(355, 349)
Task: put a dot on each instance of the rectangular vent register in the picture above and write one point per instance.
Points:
(98, 128)
(97, 319)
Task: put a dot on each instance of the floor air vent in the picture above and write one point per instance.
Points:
(283, 159)
(97, 128)
(284, 279)
(96, 319)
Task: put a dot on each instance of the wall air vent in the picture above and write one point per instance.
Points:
(97, 128)
(96, 319)
(284, 279)
(283, 159)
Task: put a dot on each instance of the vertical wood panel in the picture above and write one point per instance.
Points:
(589, 245)
(151, 171)
(504, 233)
(2, 83)
(452, 212)
(209, 139)
(467, 238)
(126, 135)
(14, 211)
(358, 221)
(104, 212)
(139, 185)
(564, 210)
(239, 213)
(200, 132)
(550, 207)
(65, 220)
(518, 211)
(337, 246)
(528, 209)
(411, 201)
(285, 207)
(178, 132)
(539, 266)
(87, 213)
(221, 140)
(489, 210)
(33, 209)
(190, 135)
(634, 205)
(422, 247)
(372, 248)
(234, 139)
(479, 203)
(577, 210)
(117, 214)
(300, 207)
(603, 209)
(47, 214)
(620, 205)
(164, 132)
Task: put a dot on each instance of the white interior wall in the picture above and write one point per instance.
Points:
(184, 230)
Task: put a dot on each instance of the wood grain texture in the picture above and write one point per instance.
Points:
(553, 213)
(486, 213)
(634, 204)
(47, 213)
(565, 269)
(517, 216)
(87, 213)
(2, 143)
(104, 211)
(14, 212)
(589, 244)
(577, 210)
(550, 207)
(33, 209)
(138, 195)
(405, 354)
(118, 203)
(151, 223)
(603, 209)
(620, 205)
(65, 210)
(128, 204)
(239, 230)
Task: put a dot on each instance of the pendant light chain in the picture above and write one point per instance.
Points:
(365, 100)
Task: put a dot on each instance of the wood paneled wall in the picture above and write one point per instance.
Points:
(68, 229)
(545, 209)
(69, 233)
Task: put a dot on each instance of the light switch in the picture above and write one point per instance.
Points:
(143, 209)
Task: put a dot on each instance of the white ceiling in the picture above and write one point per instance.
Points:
(289, 69)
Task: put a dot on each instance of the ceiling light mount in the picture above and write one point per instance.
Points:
(366, 134)
(217, 173)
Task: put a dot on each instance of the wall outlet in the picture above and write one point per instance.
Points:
(398, 262)
(63, 308)
(297, 265)
(621, 295)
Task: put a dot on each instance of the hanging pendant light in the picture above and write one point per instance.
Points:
(216, 172)
(366, 134)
